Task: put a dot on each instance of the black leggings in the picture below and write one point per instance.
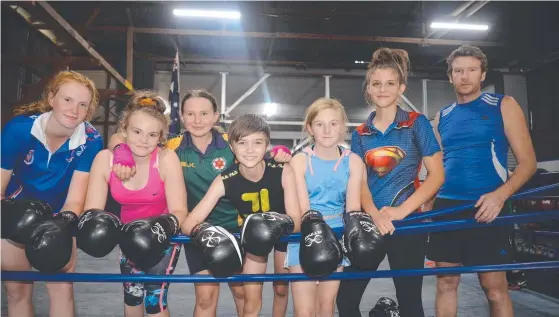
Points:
(404, 252)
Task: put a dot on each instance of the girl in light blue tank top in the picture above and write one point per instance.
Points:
(327, 186)
(332, 185)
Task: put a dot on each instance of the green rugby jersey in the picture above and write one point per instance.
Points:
(200, 170)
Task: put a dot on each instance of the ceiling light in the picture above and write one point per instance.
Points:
(360, 62)
(232, 15)
(459, 26)
(270, 108)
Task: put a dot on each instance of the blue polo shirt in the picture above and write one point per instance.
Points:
(36, 172)
(393, 158)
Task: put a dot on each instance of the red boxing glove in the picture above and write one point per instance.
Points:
(276, 148)
(122, 154)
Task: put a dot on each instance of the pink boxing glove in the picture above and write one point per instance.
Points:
(122, 154)
(276, 149)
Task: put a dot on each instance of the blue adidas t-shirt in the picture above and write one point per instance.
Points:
(475, 148)
(37, 173)
(394, 158)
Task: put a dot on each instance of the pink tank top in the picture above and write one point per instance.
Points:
(149, 201)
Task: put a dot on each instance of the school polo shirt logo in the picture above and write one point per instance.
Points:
(91, 132)
(29, 157)
(76, 152)
(219, 163)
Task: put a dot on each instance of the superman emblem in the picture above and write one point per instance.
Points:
(384, 159)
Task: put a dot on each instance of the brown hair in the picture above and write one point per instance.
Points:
(396, 59)
(248, 124)
(148, 102)
(42, 105)
(322, 104)
(467, 50)
(199, 93)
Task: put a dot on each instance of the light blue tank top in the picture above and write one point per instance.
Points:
(327, 185)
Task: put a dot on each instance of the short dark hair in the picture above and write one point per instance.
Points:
(467, 50)
(248, 124)
(199, 93)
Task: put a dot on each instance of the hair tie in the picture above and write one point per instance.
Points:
(147, 102)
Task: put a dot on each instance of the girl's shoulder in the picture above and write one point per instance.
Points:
(166, 155)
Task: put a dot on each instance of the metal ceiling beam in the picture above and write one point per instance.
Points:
(81, 62)
(230, 61)
(295, 11)
(93, 16)
(299, 36)
(283, 68)
(130, 55)
(37, 24)
(85, 44)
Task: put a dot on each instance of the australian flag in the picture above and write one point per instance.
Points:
(175, 127)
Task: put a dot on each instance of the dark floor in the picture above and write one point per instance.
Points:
(95, 299)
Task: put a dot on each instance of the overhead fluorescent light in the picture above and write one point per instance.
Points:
(360, 62)
(232, 15)
(270, 108)
(459, 26)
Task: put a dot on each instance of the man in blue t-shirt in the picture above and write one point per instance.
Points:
(475, 133)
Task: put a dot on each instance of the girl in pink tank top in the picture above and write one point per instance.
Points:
(149, 201)
(153, 202)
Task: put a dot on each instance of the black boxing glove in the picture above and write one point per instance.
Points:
(20, 217)
(221, 251)
(50, 245)
(385, 307)
(262, 231)
(144, 241)
(98, 232)
(320, 252)
(362, 242)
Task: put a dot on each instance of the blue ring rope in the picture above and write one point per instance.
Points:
(431, 226)
(452, 210)
(197, 278)
(545, 233)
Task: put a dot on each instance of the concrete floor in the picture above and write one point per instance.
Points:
(96, 299)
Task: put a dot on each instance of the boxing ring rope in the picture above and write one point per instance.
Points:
(448, 211)
(424, 227)
(197, 278)
(545, 233)
(414, 228)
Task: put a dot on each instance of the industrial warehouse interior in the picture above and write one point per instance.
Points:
(274, 59)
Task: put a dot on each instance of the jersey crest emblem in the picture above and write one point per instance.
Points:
(219, 163)
(29, 157)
